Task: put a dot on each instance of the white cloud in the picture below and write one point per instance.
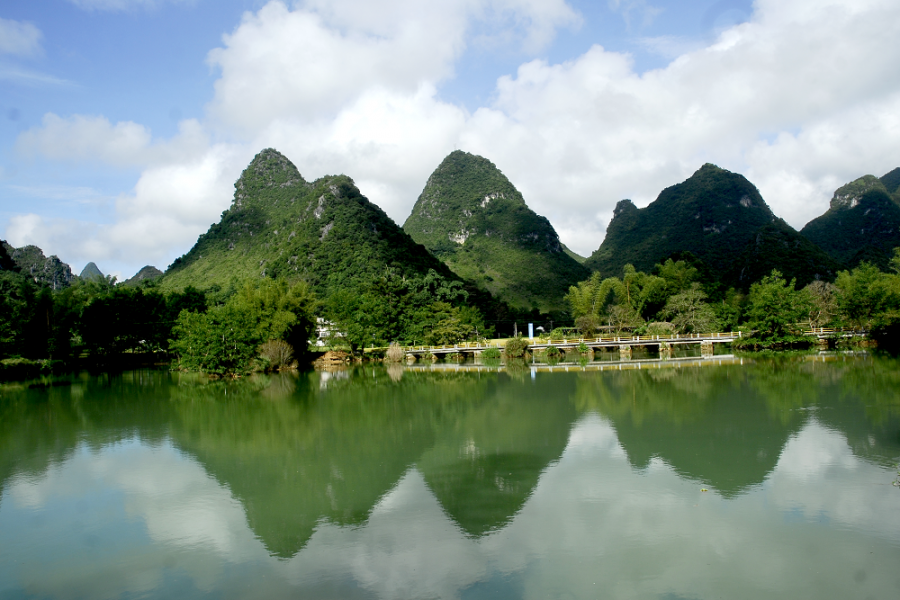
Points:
(170, 205)
(19, 39)
(307, 64)
(94, 138)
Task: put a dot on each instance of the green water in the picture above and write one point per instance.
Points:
(703, 479)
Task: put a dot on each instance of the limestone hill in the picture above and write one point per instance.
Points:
(148, 273)
(324, 232)
(91, 271)
(472, 217)
(862, 222)
(44, 270)
(720, 218)
(713, 214)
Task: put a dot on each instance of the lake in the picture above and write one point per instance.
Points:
(723, 478)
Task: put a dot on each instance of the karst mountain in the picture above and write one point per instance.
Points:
(472, 217)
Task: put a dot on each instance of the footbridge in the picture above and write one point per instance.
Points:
(624, 344)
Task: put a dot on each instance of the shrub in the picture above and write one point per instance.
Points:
(516, 348)
(552, 352)
(583, 348)
(490, 353)
(660, 328)
(394, 353)
(278, 353)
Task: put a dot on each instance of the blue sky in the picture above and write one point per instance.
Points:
(124, 123)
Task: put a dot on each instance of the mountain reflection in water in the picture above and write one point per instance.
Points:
(458, 476)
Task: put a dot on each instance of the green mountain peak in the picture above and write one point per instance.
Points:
(90, 271)
(712, 214)
(473, 218)
(279, 225)
(849, 195)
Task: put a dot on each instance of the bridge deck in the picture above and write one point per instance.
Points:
(598, 342)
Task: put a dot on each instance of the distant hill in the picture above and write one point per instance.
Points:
(891, 183)
(324, 232)
(91, 271)
(148, 273)
(713, 214)
(472, 217)
(574, 255)
(779, 246)
(719, 217)
(861, 224)
(44, 270)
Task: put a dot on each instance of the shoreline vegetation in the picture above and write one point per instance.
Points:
(268, 324)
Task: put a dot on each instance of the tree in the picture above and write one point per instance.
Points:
(867, 298)
(225, 340)
(774, 306)
(824, 303)
(689, 311)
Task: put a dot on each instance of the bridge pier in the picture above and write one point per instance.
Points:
(706, 349)
(666, 351)
(625, 351)
(410, 358)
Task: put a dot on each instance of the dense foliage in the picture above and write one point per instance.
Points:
(226, 339)
(472, 217)
(680, 296)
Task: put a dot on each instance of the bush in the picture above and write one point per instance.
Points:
(516, 348)
(490, 353)
(394, 353)
(552, 352)
(583, 348)
(659, 328)
(278, 353)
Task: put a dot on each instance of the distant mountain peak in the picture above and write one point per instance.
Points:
(624, 206)
(714, 214)
(268, 169)
(325, 232)
(148, 273)
(90, 271)
(849, 195)
(474, 219)
(43, 270)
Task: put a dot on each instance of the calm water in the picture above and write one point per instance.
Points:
(771, 479)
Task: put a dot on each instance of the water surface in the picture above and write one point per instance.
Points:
(771, 478)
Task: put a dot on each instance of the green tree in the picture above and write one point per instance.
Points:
(689, 312)
(867, 298)
(774, 306)
(225, 339)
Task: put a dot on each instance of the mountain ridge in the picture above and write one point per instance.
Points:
(473, 218)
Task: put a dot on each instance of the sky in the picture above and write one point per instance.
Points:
(125, 123)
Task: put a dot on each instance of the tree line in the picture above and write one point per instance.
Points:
(268, 323)
(680, 295)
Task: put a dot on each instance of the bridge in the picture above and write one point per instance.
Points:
(664, 343)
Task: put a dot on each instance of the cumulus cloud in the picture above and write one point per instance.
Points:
(94, 138)
(170, 205)
(801, 97)
(308, 64)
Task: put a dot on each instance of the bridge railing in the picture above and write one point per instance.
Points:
(500, 344)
